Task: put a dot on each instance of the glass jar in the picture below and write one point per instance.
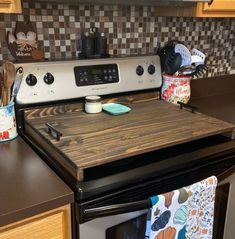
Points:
(93, 104)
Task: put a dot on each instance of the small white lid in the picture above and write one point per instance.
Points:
(93, 98)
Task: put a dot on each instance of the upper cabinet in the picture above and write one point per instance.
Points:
(10, 6)
(217, 8)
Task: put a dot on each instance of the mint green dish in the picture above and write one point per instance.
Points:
(115, 108)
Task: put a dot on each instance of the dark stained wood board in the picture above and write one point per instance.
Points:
(93, 139)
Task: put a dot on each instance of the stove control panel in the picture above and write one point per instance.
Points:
(64, 80)
(96, 74)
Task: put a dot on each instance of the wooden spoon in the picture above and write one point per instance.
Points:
(3, 90)
(9, 78)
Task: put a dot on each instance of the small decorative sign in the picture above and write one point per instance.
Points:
(23, 43)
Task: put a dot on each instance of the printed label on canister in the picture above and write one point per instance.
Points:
(7, 123)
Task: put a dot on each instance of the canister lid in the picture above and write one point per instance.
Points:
(93, 98)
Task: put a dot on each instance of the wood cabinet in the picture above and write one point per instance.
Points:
(54, 224)
(10, 6)
(218, 8)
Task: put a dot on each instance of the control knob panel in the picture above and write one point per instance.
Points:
(65, 80)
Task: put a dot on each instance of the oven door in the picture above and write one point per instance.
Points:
(122, 214)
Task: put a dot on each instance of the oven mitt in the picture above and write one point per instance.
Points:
(115, 108)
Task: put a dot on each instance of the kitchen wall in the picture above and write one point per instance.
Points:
(130, 30)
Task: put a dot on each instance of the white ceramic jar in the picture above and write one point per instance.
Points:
(93, 104)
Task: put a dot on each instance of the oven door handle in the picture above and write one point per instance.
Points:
(91, 213)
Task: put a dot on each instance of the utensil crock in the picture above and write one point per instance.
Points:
(7, 122)
(176, 88)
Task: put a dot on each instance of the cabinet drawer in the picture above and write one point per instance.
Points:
(52, 225)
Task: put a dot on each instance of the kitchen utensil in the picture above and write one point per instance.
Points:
(3, 95)
(193, 71)
(1, 84)
(200, 70)
(163, 53)
(17, 83)
(197, 60)
(196, 52)
(186, 70)
(9, 77)
(1, 87)
(173, 63)
(167, 49)
(185, 54)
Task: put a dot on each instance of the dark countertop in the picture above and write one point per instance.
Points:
(27, 185)
(215, 97)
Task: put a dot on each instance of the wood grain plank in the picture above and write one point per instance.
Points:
(93, 139)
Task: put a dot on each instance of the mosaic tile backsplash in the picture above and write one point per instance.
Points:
(130, 30)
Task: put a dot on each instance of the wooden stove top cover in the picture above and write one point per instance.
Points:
(94, 139)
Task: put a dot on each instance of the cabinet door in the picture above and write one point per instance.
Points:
(51, 225)
(218, 8)
(10, 6)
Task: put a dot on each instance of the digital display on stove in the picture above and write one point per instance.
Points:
(96, 71)
(96, 74)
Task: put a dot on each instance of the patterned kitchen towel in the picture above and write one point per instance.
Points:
(185, 213)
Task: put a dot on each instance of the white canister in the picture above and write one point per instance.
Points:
(93, 104)
(8, 129)
(176, 88)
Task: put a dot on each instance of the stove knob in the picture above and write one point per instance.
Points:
(151, 69)
(139, 70)
(49, 78)
(31, 80)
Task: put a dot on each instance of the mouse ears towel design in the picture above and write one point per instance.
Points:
(185, 213)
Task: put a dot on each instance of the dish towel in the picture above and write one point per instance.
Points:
(185, 213)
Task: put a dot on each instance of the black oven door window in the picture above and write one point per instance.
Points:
(131, 229)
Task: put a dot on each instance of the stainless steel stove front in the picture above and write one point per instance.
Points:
(45, 82)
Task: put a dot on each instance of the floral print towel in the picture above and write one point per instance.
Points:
(186, 213)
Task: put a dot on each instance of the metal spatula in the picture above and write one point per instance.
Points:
(17, 83)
